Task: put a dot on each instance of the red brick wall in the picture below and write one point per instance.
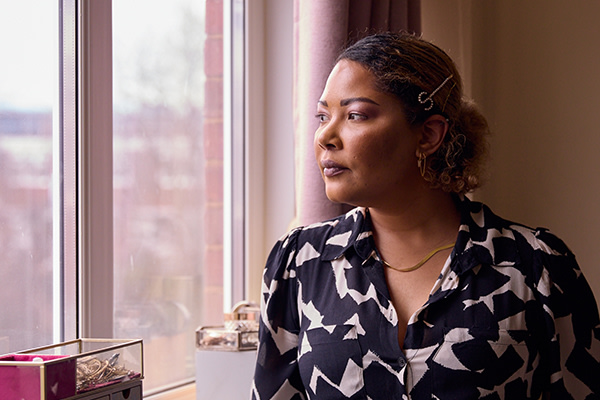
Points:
(213, 146)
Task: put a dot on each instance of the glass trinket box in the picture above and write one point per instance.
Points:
(69, 369)
(239, 333)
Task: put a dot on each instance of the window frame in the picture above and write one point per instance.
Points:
(94, 270)
(86, 38)
(95, 237)
(83, 265)
(235, 169)
(65, 225)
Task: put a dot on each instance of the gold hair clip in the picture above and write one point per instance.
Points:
(430, 97)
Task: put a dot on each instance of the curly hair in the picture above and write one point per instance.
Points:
(406, 65)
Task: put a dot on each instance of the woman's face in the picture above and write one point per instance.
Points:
(364, 146)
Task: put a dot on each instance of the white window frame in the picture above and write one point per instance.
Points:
(83, 228)
(95, 204)
(96, 174)
(64, 184)
(95, 273)
(234, 153)
(87, 283)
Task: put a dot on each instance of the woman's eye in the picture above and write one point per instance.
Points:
(321, 117)
(357, 117)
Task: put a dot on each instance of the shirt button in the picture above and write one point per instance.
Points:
(401, 362)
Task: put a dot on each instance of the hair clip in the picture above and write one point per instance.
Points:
(429, 98)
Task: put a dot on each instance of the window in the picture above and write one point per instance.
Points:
(167, 178)
(29, 174)
(116, 174)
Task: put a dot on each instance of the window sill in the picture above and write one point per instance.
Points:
(187, 392)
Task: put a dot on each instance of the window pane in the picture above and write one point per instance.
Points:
(28, 97)
(167, 179)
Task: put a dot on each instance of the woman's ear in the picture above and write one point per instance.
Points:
(433, 132)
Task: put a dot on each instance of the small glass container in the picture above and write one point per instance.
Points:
(239, 332)
(70, 368)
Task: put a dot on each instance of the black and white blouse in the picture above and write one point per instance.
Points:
(510, 317)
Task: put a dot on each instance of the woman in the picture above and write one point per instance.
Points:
(418, 292)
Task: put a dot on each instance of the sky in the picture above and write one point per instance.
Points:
(28, 66)
(29, 63)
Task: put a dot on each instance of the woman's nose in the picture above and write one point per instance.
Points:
(327, 136)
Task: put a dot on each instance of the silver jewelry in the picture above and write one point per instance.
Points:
(429, 99)
(93, 372)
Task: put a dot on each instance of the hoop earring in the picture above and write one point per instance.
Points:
(422, 164)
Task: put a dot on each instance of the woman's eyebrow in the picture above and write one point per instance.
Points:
(345, 102)
(351, 100)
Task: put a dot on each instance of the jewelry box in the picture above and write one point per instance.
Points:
(78, 369)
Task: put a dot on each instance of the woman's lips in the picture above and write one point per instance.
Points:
(331, 168)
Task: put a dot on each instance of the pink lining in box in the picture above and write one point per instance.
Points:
(28, 357)
(23, 381)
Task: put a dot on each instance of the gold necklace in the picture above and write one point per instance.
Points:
(420, 263)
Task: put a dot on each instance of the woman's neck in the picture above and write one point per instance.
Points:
(418, 225)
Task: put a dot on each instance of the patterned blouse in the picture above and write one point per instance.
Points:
(510, 317)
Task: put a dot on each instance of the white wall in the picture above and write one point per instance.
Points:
(271, 132)
(534, 68)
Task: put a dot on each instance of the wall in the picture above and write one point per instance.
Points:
(270, 131)
(533, 67)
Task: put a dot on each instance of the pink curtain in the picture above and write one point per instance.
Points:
(322, 28)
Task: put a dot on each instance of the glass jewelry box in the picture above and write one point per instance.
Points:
(227, 351)
(239, 333)
(70, 369)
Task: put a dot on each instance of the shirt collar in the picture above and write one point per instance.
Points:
(352, 230)
(483, 237)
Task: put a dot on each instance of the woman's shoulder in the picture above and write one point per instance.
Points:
(481, 219)
(537, 239)
(508, 241)
(540, 239)
(324, 233)
(320, 240)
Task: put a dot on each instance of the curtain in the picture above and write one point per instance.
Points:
(322, 28)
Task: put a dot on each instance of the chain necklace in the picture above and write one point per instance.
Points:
(420, 263)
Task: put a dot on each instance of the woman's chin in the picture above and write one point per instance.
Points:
(337, 196)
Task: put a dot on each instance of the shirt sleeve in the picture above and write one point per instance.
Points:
(574, 350)
(276, 375)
